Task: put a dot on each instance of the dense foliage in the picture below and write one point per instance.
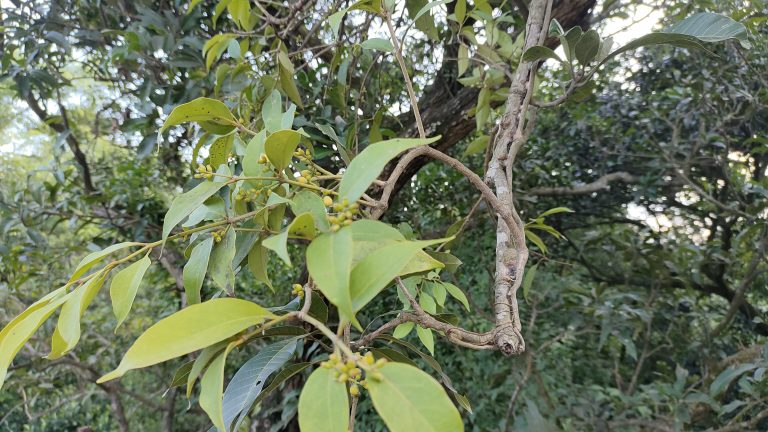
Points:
(295, 213)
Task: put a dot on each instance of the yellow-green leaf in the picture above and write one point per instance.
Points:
(201, 362)
(124, 287)
(20, 329)
(195, 269)
(188, 330)
(212, 389)
(329, 262)
(94, 258)
(427, 338)
(374, 272)
(200, 110)
(323, 404)
(67, 332)
(367, 166)
(408, 400)
(187, 202)
(280, 146)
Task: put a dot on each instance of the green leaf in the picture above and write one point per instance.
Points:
(200, 110)
(67, 332)
(463, 59)
(280, 378)
(691, 33)
(186, 203)
(328, 131)
(286, 72)
(428, 304)
(220, 264)
(278, 244)
(212, 389)
(220, 150)
(535, 239)
(181, 374)
(408, 400)
(555, 210)
(450, 261)
(378, 44)
(249, 380)
(14, 335)
(528, 281)
(587, 47)
(375, 272)
(403, 330)
(201, 362)
(188, 330)
(460, 10)
(335, 21)
(456, 293)
(726, 377)
(94, 258)
(540, 52)
(323, 404)
(367, 166)
(478, 145)
(427, 338)
(310, 202)
(124, 287)
(329, 262)
(711, 27)
(195, 269)
(272, 112)
(257, 262)
(280, 146)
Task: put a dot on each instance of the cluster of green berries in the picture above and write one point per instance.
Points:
(302, 154)
(305, 176)
(298, 290)
(351, 371)
(247, 195)
(218, 235)
(204, 171)
(344, 212)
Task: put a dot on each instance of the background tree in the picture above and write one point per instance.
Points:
(642, 310)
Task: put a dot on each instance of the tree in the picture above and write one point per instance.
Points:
(311, 189)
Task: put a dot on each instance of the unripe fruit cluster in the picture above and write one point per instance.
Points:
(351, 370)
(218, 235)
(303, 154)
(247, 195)
(345, 213)
(298, 290)
(305, 176)
(204, 171)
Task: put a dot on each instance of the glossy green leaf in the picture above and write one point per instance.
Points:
(186, 203)
(408, 400)
(188, 330)
(253, 151)
(278, 244)
(195, 269)
(250, 379)
(367, 166)
(67, 332)
(323, 404)
(212, 389)
(181, 374)
(124, 287)
(726, 377)
(280, 146)
(199, 110)
(329, 262)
